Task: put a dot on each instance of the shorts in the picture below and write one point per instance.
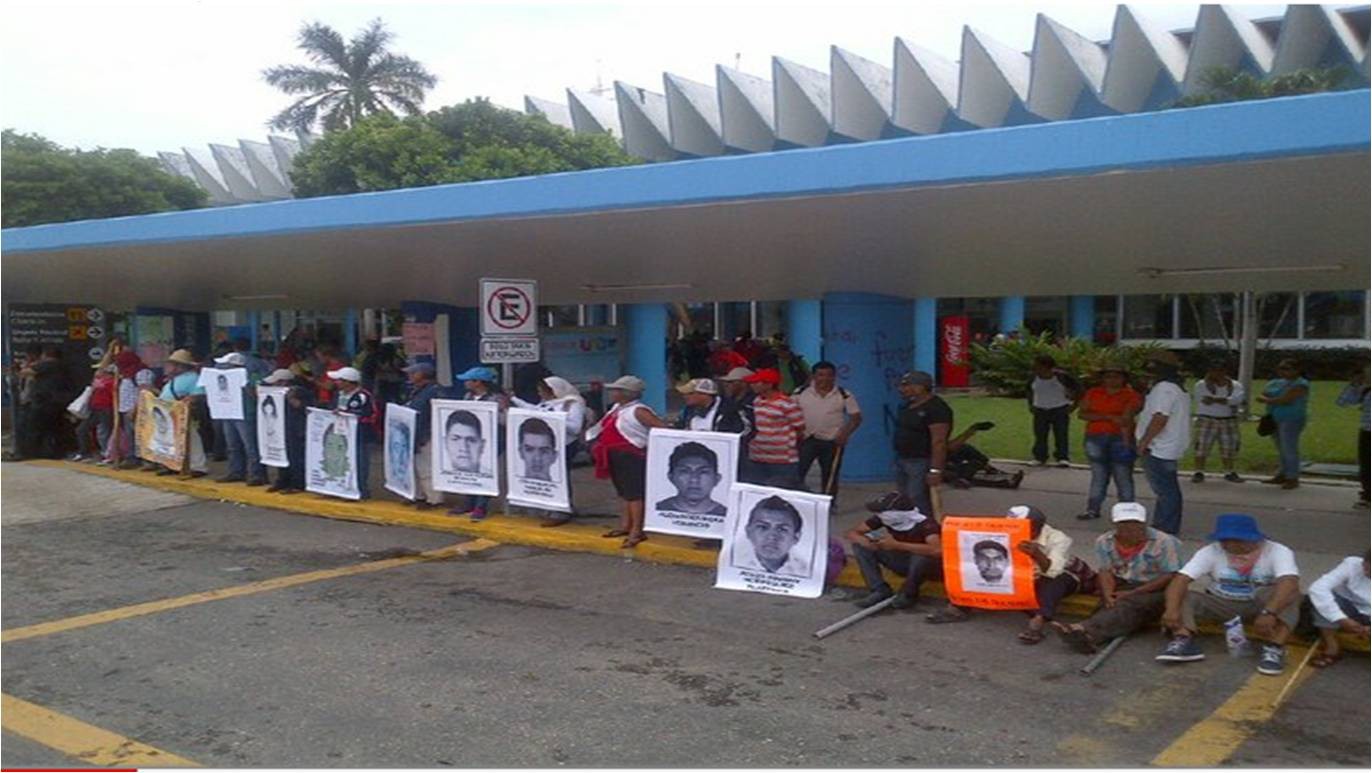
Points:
(1210, 430)
(628, 471)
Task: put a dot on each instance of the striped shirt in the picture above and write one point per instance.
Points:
(777, 419)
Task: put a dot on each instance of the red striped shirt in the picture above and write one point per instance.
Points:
(778, 420)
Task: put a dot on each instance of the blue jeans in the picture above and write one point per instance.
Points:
(364, 464)
(1101, 450)
(1288, 440)
(910, 480)
(1162, 478)
(240, 436)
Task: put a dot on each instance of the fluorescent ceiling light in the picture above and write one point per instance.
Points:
(615, 288)
(1156, 273)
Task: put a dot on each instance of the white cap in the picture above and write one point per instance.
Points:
(628, 384)
(346, 374)
(702, 386)
(737, 374)
(1124, 512)
(279, 376)
(232, 358)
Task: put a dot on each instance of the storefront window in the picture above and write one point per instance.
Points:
(1147, 316)
(771, 318)
(559, 316)
(1277, 314)
(1107, 319)
(734, 318)
(1046, 313)
(1208, 317)
(1336, 315)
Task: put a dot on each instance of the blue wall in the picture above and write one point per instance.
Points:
(926, 335)
(870, 338)
(1011, 313)
(804, 329)
(647, 355)
(1082, 316)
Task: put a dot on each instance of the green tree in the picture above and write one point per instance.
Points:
(43, 182)
(347, 80)
(1227, 84)
(471, 141)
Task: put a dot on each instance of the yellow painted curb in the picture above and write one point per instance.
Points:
(513, 530)
(84, 742)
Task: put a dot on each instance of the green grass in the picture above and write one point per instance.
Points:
(1330, 436)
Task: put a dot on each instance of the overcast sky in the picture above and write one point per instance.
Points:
(159, 76)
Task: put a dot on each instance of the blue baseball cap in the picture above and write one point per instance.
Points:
(477, 373)
(1237, 526)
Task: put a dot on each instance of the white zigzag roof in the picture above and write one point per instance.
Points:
(1064, 76)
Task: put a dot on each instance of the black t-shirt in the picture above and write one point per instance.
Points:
(912, 427)
(921, 533)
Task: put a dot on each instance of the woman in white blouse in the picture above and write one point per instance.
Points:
(559, 394)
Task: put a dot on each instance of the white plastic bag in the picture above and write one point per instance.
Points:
(81, 406)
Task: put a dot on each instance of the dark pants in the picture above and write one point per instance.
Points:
(1050, 592)
(767, 474)
(916, 569)
(1129, 614)
(1363, 439)
(826, 451)
(93, 433)
(1162, 478)
(1057, 419)
(293, 477)
(364, 464)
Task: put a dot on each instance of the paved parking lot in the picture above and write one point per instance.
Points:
(375, 655)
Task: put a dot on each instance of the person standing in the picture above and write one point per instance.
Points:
(1109, 410)
(1356, 393)
(620, 452)
(1053, 394)
(134, 378)
(832, 416)
(423, 390)
(705, 411)
(558, 395)
(93, 433)
(1286, 397)
(774, 451)
(183, 384)
(1163, 432)
(480, 383)
(1218, 400)
(352, 398)
(921, 438)
(240, 435)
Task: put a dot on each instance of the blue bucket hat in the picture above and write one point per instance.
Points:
(1236, 526)
(477, 373)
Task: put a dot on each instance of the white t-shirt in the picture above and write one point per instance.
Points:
(226, 403)
(1171, 401)
(1212, 562)
(1049, 393)
(1345, 580)
(1232, 396)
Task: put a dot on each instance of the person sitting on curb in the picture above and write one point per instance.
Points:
(911, 547)
(1340, 602)
(1136, 563)
(1251, 577)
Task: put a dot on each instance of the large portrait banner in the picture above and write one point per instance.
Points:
(331, 454)
(981, 565)
(775, 541)
(271, 425)
(162, 430)
(465, 447)
(690, 475)
(224, 392)
(399, 441)
(536, 467)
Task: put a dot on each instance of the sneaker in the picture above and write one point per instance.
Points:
(1181, 649)
(875, 597)
(1064, 464)
(1088, 516)
(1272, 661)
(1233, 477)
(1040, 462)
(229, 479)
(478, 514)
(1198, 478)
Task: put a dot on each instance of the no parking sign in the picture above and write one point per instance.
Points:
(509, 320)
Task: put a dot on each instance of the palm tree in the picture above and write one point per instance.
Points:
(347, 80)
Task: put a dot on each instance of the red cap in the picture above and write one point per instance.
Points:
(764, 376)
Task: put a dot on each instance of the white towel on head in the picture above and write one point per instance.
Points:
(901, 520)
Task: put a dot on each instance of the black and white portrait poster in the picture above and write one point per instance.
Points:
(399, 442)
(775, 541)
(690, 475)
(465, 447)
(534, 459)
(331, 454)
(224, 392)
(271, 425)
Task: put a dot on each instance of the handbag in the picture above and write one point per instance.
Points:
(81, 406)
(1267, 425)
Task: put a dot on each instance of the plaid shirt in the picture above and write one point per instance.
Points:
(1158, 557)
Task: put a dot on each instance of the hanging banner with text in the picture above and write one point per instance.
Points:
(955, 369)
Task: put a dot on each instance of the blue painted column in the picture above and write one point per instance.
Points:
(350, 333)
(870, 339)
(804, 329)
(646, 324)
(1082, 316)
(926, 336)
(254, 323)
(1011, 313)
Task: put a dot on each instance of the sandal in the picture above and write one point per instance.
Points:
(1031, 636)
(633, 540)
(1324, 661)
(945, 616)
(1075, 637)
(615, 533)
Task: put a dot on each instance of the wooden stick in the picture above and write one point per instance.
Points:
(833, 472)
(1309, 652)
(1102, 656)
(853, 618)
(936, 501)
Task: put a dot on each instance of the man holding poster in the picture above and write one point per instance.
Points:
(465, 446)
(536, 469)
(331, 454)
(399, 441)
(690, 475)
(775, 541)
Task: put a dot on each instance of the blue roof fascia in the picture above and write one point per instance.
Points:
(1306, 125)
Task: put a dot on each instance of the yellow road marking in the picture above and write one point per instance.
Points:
(1212, 740)
(152, 607)
(74, 738)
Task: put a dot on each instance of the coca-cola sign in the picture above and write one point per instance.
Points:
(954, 370)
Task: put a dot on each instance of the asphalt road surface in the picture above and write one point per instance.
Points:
(511, 656)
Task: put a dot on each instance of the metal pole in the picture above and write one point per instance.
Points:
(853, 618)
(1102, 656)
(1248, 348)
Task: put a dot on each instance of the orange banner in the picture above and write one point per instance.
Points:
(982, 566)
